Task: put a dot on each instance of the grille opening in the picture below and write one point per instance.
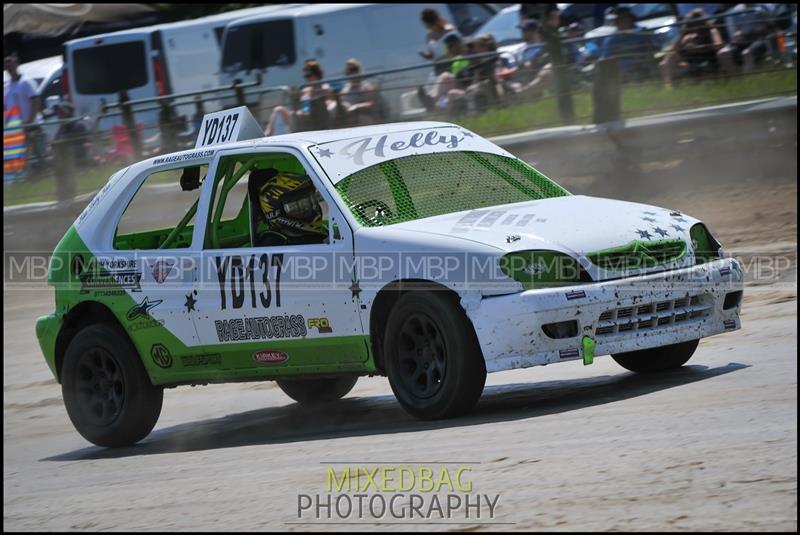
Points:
(732, 300)
(682, 316)
(645, 323)
(680, 303)
(662, 306)
(695, 299)
(561, 329)
(624, 312)
(607, 315)
(657, 314)
(625, 327)
(695, 313)
(604, 330)
(663, 321)
(645, 309)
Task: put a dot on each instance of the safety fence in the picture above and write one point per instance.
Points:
(518, 87)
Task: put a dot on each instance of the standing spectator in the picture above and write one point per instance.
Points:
(634, 47)
(19, 91)
(73, 132)
(438, 28)
(695, 49)
(315, 105)
(20, 108)
(747, 28)
(358, 98)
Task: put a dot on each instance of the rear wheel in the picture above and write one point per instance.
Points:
(107, 392)
(657, 359)
(311, 391)
(432, 356)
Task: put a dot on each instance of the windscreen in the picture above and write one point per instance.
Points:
(100, 70)
(426, 185)
(258, 45)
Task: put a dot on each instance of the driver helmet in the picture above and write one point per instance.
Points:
(290, 203)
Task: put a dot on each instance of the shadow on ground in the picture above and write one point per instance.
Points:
(383, 415)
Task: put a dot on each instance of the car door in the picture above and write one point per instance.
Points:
(282, 308)
(154, 258)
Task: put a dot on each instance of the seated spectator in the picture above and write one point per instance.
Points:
(695, 49)
(451, 79)
(358, 98)
(73, 132)
(316, 104)
(483, 88)
(533, 72)
(634, 48)
(747, 29)
(438, 28)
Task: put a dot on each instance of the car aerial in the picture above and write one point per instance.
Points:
(416, 250)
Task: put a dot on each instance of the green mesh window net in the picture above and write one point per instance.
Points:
(426, 185)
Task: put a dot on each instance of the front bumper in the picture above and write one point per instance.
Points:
(619, 315)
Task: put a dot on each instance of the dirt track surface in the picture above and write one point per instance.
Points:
(712, 446)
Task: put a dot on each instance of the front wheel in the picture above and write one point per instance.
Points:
(314, 391)
(657, 359)
(107, 392)
(432, 356)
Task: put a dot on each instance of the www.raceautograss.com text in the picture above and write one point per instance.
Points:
(400, 492)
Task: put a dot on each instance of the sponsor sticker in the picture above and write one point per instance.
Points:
(322, 325)
(161, 270)
(575, 294)
(270, 357)
(568, 353)
(161, 356)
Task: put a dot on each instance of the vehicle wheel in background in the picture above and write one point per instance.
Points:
(106, 390)
(432, 356)
(657, 359)
(311, 391)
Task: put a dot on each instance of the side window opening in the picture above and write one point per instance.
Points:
(264, 200)
(162, 212)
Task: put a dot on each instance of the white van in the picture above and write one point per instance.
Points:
(379, 36)
(147, 62)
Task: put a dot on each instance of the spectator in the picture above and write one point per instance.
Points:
(19, 91)
(358, 98)
(695, 50)
(20, 109)
(315, 104)
(482, 87)
(449, 79)
(634, 48)
(438, 28)
(73, 132)
(746, 25)
(535, 71)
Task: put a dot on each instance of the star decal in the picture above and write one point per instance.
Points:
(467, 134)
(678, 228)
(325, 153)
(190, 301)
(356, 289)
(649, 213)
(644, 234)
(661, 232)
(681, 219)
(649, 219)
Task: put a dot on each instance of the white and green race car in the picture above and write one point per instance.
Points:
(435, 257)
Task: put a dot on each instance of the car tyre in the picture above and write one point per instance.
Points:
(107, 392)
(317, 391)
(432, 356)
(657, 359)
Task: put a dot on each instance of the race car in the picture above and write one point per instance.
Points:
(419, 251)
